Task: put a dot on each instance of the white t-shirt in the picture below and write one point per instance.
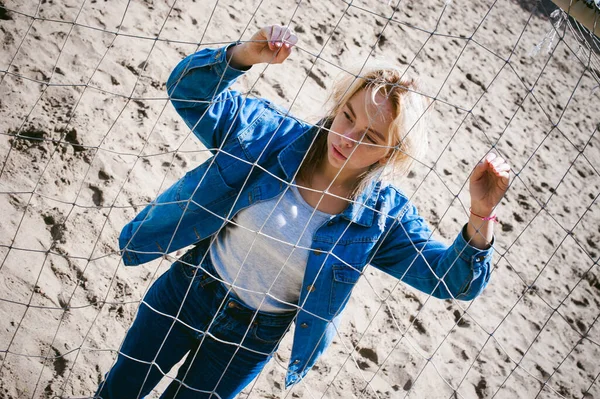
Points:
(264, 256)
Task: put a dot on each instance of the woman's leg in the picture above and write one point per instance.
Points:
(155, 342)
(223, 366)
(137, 371)
(209, 374)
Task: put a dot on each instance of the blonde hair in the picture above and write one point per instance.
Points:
(407, 136)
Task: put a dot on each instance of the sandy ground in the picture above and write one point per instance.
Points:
(97, 140)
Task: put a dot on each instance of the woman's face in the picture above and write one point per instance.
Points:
(357, 141)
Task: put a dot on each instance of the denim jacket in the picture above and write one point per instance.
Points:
(257, 149)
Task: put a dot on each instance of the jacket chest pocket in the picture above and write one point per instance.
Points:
(202, 187)
(344, 279)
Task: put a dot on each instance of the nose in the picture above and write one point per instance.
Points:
(348, 139)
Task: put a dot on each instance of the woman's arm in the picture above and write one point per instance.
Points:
(411, 254)
(462, 270)
(197, 89)
(198, 84)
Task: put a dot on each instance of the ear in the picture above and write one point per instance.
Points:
(383, 161)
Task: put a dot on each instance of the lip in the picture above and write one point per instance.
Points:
(338, 153)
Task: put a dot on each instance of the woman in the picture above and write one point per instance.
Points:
(283, 219)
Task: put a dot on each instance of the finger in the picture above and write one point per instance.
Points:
(489, 157)
(501, 165)
(287, 34)
(278, 35)
(502, 168)
(478, 171)
(273, 37)
(497, 161)
(284, 34)
(270, 33)
(505, 176)
(291, 40)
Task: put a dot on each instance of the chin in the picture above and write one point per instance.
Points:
(333, 161)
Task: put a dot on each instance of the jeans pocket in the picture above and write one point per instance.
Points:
(196, 274)
(268, 334)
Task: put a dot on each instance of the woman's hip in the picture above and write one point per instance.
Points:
(192, 291)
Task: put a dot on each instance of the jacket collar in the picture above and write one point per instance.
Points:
(361, 210)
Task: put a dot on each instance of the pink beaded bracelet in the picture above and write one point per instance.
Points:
(486, 218)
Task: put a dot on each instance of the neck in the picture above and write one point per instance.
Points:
(336, 179)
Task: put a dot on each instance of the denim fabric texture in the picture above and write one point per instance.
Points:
(257, 150)
(228, 343)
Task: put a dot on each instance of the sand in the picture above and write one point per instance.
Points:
(87, 138)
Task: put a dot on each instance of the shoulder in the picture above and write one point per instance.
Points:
(266, 126)
(262, 110)
(394, 203)
(281, 112)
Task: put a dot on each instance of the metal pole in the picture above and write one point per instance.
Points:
(588, 16)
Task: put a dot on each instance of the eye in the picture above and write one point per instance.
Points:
(347, 115)
(369, 138)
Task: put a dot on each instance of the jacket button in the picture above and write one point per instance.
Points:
(296, 361)
(479, 259)
(317, 251)
(304, 325)
(231, 305)
(311, 288)
(331, 223)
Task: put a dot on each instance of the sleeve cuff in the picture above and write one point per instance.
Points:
(470, 253)
(220, 66)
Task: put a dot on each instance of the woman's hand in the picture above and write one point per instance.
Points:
(271, 44)
(488, 184)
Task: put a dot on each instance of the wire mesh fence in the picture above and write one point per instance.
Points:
(89, 138)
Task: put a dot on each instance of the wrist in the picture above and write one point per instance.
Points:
(485, 216)
(236, 57)
(481, 210)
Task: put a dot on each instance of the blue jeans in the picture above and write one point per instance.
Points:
(227, 343)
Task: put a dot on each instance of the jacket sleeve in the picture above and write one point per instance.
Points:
(197, 89)
(409, 253)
